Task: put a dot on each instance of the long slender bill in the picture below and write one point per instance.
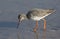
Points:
(19, 21)
(18, 25)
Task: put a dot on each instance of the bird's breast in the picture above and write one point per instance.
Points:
(39, 17)
(35, 18)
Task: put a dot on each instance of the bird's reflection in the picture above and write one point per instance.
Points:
(18, 34)
(44, 34)
(36, 35)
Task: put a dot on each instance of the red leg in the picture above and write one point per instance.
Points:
(44, 24)
(36, 27)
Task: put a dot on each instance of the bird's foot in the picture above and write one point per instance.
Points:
(44, 29)
(34, 30)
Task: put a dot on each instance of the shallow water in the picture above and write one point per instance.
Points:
(9, 9)
(27, 33)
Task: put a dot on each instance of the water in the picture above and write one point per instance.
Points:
(9, 10)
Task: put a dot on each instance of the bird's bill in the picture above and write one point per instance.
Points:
(19, 21)
(18, 24)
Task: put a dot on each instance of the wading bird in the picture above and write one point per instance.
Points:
(36, 15)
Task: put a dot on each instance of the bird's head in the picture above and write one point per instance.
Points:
(21, 17)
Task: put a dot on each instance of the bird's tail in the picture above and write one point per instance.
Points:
(51, 11)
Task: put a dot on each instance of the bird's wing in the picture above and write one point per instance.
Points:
(39, 12)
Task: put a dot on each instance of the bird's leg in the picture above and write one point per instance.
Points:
(36, 27)
(44, 24)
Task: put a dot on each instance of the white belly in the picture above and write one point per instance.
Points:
(35, 18)
(39, 18)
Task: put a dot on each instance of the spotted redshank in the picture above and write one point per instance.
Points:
(36, 15)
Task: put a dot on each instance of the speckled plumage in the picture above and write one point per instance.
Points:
(39, 13)
(36, 14)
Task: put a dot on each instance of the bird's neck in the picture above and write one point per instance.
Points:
(25, 17)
